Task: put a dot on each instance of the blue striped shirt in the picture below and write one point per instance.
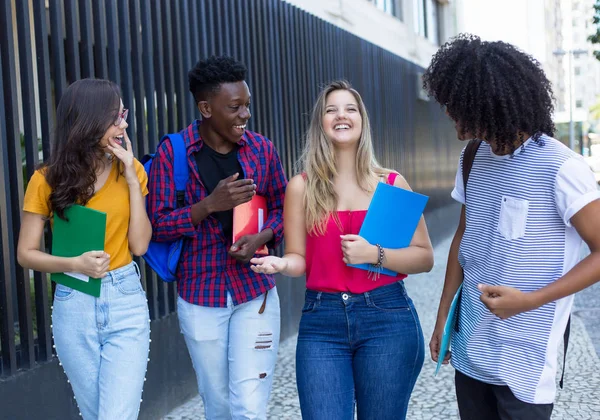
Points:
(518, 234)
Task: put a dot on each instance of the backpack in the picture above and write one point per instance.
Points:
(163, 257)
(468, 158)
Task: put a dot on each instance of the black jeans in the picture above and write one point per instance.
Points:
(480, 401)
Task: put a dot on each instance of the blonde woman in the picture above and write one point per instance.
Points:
(360, 340)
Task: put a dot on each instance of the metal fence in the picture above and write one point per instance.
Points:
(147, 47)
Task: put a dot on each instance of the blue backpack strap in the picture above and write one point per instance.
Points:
(180, 166)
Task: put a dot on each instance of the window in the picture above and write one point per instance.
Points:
(431, 13)
(426, 16)
(579, 103)
(419, 17)
(391, 7)
(577, 71)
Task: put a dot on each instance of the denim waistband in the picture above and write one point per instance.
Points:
(346, 296)
(120, 273)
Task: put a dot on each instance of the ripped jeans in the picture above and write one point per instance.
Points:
(233, 350)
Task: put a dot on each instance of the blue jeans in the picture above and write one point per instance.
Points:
(233, 350)
(103, 343)
(365, 348)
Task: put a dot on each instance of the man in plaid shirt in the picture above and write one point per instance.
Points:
(229, 315)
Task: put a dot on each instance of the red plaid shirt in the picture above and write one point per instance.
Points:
(206, 271)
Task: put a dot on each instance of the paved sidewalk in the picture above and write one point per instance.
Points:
(433, 397)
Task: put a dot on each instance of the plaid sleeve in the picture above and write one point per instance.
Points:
(169, 223)
(275, 194)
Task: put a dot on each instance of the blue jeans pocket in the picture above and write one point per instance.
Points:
(130, 285)
(63, 292)
(394, 301)
(309, 306)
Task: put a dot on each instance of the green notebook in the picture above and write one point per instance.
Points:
(84, 231)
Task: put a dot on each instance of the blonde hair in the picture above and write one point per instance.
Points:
(318, 166)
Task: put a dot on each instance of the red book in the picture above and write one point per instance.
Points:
(249, 218)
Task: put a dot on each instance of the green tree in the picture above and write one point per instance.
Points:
(595, 38)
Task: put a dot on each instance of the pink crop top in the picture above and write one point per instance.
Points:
(325, 270)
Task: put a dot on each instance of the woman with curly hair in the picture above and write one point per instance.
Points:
(360, 341)
(101, 342)
(529, 202)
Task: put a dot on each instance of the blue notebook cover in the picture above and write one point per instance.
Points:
(391, 219)
(448, 328)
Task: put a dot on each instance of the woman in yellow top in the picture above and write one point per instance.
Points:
(103, 342)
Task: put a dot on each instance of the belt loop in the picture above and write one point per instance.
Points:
(137, 269)
(112, 276)
(264, 304)
(318, 298)
(367, 298)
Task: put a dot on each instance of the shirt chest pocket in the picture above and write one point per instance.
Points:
(513, 217)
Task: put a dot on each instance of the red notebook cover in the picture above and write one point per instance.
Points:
(249, 218)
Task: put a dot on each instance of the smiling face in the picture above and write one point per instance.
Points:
(228, 111)
(342, 122)
(116, 131)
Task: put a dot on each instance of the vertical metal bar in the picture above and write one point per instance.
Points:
(225, 30)
(139, 98)
(159, 57)
(261, 60)
(15, 166)
(293, 100)
(72, 40)
(195, 33)
(232, 7)
(28, 105)
(202, 32)
(125, 35)
(169, 67)
(149, 82)
(46, 109)
(185, 50)
(32, 159)
(179, 68)
(58, 51)
(46, 105)
(302, 70)
(274, 97)
(100, 46)
(86, 28)
(254, 72)
(7, 329)
(211, 34)
(112, 35)
(147, 70)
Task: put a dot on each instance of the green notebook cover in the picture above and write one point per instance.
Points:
(84, 231)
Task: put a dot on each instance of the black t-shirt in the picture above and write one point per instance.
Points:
(212, 168)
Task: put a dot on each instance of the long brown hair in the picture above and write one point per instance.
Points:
(86, 110)
(318, 161)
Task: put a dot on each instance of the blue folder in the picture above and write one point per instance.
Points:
(448, 328)
(391, 219)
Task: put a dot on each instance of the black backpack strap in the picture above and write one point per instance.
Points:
(566, 339)
(467, 164)
(468, 158)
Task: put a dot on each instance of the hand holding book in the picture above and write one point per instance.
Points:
(248, 235)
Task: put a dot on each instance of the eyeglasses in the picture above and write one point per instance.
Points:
(121, 116)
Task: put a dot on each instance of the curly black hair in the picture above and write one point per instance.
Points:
(493, 90)
(207, 75)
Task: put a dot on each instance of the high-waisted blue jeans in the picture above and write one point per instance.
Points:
(103, 344)
(366, 349)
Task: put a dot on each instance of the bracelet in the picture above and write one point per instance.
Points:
(378, 266)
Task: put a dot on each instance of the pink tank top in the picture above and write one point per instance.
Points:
(325, 270)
